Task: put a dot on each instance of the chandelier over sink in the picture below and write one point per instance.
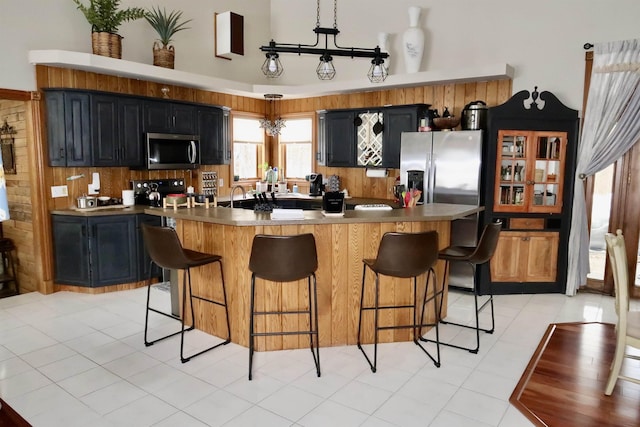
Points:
(272, 66)
(274, 127)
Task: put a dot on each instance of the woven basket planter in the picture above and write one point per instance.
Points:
(163, 56)
(107, 44)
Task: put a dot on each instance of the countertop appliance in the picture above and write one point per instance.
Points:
(172, 151)
(474, 116)
(315, 184)
(447, 167)
(144, 191)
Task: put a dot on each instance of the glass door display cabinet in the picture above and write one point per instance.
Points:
(531, 152)
(529, 171)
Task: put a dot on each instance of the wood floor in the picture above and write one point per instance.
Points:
(563, 385)
(10, 418)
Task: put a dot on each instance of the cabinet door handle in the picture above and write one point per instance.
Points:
(530, 182)
(525, 239)
(62, 153)
(174, 121)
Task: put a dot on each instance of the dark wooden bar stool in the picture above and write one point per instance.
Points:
(285, 259)
(474, 256)
(9, 272)
(166, 251)
(403, 255)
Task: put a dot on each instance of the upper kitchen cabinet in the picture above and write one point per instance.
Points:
(116, 131)
(532, 142)
(397, 120)
(169, 117)
(69, 129)
(365, 137)
(340, 134)
(215, 138)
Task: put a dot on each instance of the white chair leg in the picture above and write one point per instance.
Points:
(616, 365)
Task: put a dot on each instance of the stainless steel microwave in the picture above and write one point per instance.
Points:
(172, 151)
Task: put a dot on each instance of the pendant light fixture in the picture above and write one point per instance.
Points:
(272, 66)
(274, 127)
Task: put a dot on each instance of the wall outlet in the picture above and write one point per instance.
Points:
(220, 182)
(59, 191)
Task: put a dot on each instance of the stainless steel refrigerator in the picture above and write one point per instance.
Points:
(448, 168)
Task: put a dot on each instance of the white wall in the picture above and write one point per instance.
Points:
(542, 39)
(57, 24)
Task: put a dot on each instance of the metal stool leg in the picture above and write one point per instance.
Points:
(477, 327)
(373, 364)
(148, 309)
(418, 336)
(251, 326)
(314, 330)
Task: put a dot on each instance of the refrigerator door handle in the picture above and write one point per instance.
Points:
(431, 180)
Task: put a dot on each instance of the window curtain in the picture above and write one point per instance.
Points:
(611, 127)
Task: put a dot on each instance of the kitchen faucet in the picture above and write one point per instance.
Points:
(233, 189)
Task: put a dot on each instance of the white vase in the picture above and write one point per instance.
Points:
(413, 42)
(383, 40)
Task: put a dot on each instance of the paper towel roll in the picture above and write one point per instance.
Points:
(376, 173)
(127, 198)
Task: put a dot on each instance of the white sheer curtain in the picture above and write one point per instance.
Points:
(611, 128)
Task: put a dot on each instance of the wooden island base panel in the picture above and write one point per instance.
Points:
(341, 244)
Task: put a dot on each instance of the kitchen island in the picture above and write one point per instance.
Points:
(342, 242)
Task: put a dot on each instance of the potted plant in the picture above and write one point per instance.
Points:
(105, 18)
(166, 25)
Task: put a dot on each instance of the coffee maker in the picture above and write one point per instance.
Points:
(315, 184)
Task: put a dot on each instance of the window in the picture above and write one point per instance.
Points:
(296, 147)
(248, 144)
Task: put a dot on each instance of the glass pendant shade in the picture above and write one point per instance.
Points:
(378, 72)
(326, 70)
(272, 67)
(272, 128)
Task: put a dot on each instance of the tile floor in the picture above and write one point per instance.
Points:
(70, 359)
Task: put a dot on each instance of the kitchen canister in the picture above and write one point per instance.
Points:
(128, 198)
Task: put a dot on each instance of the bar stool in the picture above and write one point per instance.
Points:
(9, 272)
(403, 255)
(474, 256)
(166, 251)
(285, 259)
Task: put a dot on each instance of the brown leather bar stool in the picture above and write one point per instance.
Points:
(474, 256)
(9, 271)
(166, 251)
(285, 259)
(403, 255)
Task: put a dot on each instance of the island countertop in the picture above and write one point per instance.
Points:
(245, 217)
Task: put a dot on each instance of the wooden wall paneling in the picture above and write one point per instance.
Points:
(300, 294)
(504, 90)
(491, 97)
(239, 241)
(339, 242)
(355, 253)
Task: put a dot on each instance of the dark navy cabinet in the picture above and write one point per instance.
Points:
(100, 250)
(215, 139)
(68, 128)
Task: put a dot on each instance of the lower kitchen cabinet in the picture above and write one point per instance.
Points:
(99, 250)
(142, 255)
(525, 256)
